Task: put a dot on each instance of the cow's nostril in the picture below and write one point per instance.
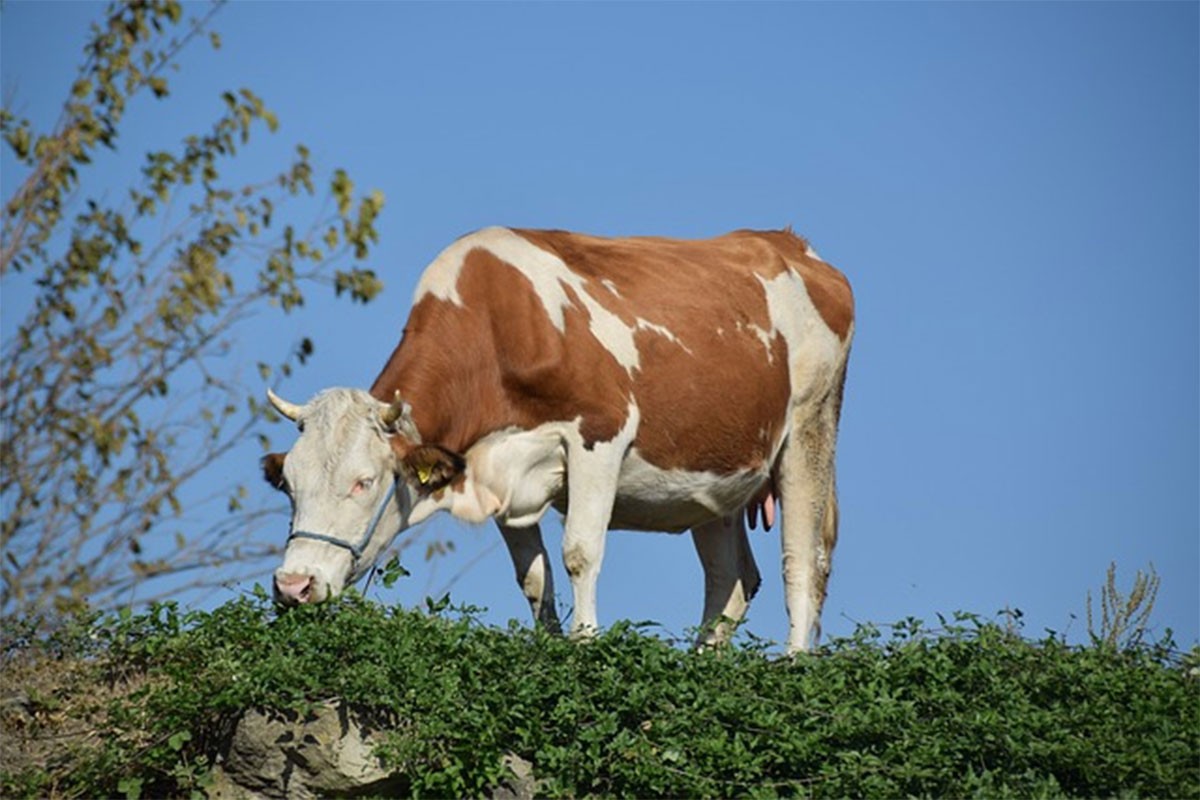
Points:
(293, 589)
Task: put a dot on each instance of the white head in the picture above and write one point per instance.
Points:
(357, 476)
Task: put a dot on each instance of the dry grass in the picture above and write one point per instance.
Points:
(54, 712)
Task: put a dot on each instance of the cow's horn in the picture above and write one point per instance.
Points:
(393, 412)
(289, 410)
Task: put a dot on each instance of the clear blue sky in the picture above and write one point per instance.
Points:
(1012, 189)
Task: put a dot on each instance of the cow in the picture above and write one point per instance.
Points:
(638, 383)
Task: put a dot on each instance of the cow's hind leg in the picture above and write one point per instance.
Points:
(534, 575)
(808, 496)
(731, 577)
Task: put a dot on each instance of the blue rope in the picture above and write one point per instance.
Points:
(356, 549)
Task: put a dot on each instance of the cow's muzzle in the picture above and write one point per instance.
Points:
(292, 590)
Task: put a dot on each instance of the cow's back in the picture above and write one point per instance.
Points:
(707, 342)
(710, 320)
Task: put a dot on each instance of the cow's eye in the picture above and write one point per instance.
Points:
(360, 486)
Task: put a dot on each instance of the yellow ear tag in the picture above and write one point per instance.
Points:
(424, 473)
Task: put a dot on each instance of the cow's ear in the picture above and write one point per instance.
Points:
(272, 467)
(429, 467)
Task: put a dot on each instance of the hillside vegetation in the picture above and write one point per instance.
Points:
(129, 705)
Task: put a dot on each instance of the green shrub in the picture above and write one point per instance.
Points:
(971, 709)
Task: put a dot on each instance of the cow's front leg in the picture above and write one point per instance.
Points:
(534, 575)
(591, 490)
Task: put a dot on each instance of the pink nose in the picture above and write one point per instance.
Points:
(294, 589)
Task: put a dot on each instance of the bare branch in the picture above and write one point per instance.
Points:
(117, 395)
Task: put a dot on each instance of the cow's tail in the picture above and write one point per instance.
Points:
(829, 522)
(829, 536)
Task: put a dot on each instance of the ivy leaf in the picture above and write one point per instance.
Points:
(392, 572)
(130, 787)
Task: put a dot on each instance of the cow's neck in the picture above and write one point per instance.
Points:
(445, 368)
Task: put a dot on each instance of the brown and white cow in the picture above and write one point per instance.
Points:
(638, 383)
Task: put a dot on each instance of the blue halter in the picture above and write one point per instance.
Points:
(356, 549)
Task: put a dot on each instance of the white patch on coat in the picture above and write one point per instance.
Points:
(663, 331)
(650, 498)
(597, 465)
(813, 349)
(440, 278)
(514, 475)
(550, 277)
(764, 337)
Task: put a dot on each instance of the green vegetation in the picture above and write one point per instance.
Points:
(138, 704)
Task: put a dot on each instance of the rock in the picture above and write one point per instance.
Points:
(284, 755)
(521, 786)
(327, 753)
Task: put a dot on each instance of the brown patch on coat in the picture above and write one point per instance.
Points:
(828, 288)
(712, 394)
(497, 361)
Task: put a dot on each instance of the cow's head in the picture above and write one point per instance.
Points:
(357, 476)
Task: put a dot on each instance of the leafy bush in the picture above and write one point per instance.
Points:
(971, 709)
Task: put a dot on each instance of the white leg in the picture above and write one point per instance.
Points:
(809, 511)
(534, 574)
(730, 576)
(591, 490)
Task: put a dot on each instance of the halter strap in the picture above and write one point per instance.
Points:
(356, 549)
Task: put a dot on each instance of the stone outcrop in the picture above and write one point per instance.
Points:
(327, 753)
(286, 755)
